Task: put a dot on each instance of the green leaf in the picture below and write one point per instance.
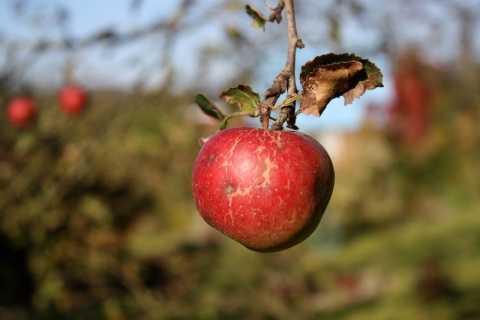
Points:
(333, 75)
(243, 96)
(208, 107)
(374, 73)
(259, 20)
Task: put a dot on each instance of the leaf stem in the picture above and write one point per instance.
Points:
(224, 122)
(287, 102)
(268, 5)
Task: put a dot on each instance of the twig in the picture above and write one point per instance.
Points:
(285, 80)
(288, 111)
(277, 12)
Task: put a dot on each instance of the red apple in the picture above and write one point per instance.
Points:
(265, 189)
(72, 99)
(21, 112)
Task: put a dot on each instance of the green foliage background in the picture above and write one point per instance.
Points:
(97, 221)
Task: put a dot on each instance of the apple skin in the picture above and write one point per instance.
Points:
(265, 189)
(72, 99)
(21, 112)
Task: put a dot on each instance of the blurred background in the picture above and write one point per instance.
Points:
(97, 219)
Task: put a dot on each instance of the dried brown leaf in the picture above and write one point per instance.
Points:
(358, 91)
(333, 75)
(326, 82)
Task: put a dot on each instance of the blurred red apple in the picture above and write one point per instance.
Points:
(265, 189)
(21, 112)
(72, 99)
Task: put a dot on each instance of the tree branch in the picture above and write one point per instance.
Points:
(287, 114)
(286, 79)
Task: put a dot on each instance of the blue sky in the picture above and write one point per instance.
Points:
(87, 16)
(101, 67)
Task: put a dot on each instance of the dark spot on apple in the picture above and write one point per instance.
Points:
(229, 189)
